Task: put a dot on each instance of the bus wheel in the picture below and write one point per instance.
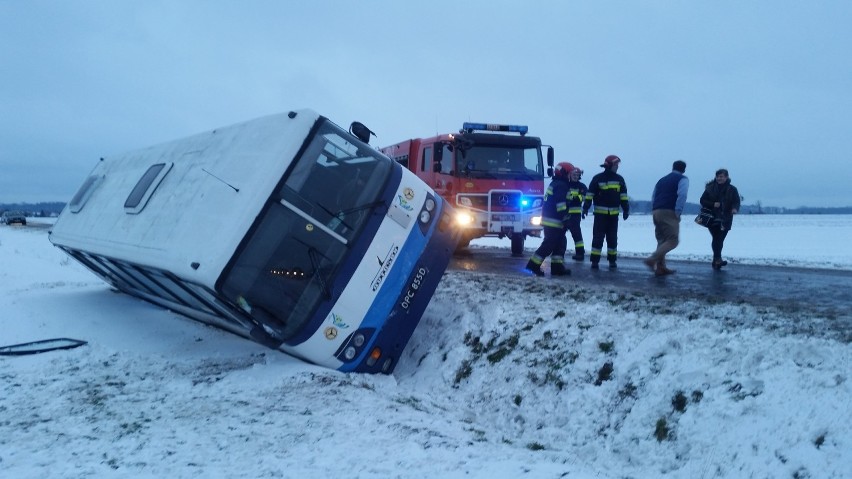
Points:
(517, 244)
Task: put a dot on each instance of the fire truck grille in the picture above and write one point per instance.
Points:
(506, 202)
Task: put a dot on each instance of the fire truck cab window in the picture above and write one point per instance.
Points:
(447, 162)
(426, 158)
(485, 161)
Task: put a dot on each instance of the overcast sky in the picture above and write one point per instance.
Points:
(761, 88)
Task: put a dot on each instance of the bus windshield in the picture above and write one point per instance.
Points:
(289, 263)
(500, 162)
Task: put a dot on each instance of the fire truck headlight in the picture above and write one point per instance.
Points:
(536, 220)
(464, 218)
(430, 204)
(425, 216)
(537, 203)
(465, 201)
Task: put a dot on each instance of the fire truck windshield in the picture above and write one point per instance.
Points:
(500, 162)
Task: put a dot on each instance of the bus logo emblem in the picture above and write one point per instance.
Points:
(384, 267)
(403, 203)
(330, 333)
(338, 321)
(408, 193)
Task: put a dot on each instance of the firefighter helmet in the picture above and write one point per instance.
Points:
(563, 169)
(610, 160)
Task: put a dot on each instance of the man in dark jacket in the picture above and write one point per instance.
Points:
(554, 211)
(724, 199)
(608, 192)
(667, 203)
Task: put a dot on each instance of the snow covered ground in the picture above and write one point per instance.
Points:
(525, 377)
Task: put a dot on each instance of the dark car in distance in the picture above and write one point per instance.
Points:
(11, 217)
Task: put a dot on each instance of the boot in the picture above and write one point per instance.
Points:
(558, 269)
(595, 263)
(612, 264)
(534, 268)
(579, 254)
(718, 263)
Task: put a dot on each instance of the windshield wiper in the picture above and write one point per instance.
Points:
(482, 174)
(365, 206)
(522, 175)
(313, 254)
(341, 215)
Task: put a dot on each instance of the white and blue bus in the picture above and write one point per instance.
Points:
(287, 229)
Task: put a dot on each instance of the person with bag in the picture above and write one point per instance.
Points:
(723, 199)
(554, 212)
(608, 192)
(667, 203)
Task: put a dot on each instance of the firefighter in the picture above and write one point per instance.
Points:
(576, 194)
(554, 212)
(608, 192)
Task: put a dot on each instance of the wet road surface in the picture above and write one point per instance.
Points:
(800, 292)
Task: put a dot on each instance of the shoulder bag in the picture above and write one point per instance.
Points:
(705, 217)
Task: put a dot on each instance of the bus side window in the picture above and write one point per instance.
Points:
(425, 157)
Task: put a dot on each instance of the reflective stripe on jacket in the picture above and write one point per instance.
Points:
(608, 192)
(555, 207)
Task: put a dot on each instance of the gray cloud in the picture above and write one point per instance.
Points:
(761, 89)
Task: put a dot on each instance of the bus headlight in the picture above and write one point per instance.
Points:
(349, 353)
(430, 205)
(536, 220)
(465, 201)
(353, 346)
(464, 218)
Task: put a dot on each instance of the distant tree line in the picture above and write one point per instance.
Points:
(636, 206)
(755, 209)
(52, 208)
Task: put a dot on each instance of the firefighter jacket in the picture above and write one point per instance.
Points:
(728, 198)
(555, 208)
(576, 194)
(608, 192)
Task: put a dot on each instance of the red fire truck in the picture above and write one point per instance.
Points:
(492, 174)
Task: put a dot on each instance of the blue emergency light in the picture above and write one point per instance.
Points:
(471, 127)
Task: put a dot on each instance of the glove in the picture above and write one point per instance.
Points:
(583, 216)
(626, 214)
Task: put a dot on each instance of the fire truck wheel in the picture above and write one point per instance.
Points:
(518, 244)
(463, 243)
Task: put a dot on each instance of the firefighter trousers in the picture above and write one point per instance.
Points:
(573, 225)
(552, 245)
(605, 228)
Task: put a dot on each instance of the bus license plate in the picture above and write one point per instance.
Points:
(414, 287)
